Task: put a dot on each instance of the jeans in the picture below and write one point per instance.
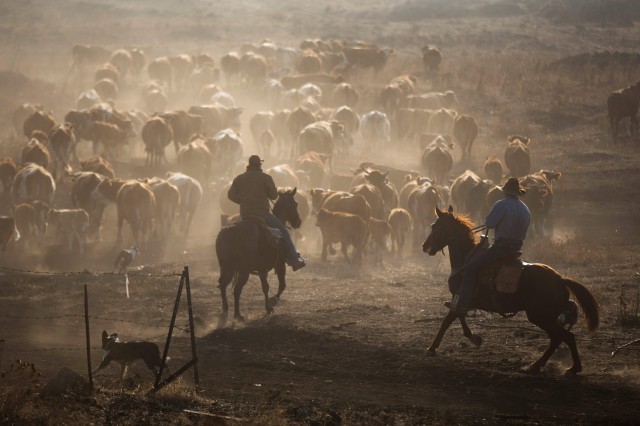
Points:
(290, 254)
(471, 270)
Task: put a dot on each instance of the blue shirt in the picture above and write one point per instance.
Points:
(510, 218)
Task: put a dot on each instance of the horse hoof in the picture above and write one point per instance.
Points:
(476, 340)
(430, 352)
(239, 318)
(571, 372)
(532, 369)
(273, 301)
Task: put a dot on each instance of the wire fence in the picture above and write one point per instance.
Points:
(86, 272)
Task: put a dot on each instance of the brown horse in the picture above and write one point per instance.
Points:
(242, 249)
(543, 293)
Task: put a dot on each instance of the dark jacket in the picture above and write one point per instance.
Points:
(252, 190)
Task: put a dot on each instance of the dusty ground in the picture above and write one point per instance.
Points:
(347, 346)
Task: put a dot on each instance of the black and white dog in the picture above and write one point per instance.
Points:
(126, 353)
(125, 258)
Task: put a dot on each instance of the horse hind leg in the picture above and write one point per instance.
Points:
(225, 279)
(242, 279)
(476, 339)
(265, 290)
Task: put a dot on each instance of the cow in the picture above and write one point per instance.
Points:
(294, 81)
(72, 228)
(410, 122)
(517, 156)
(379, 233)
(183, 126)
(397, 177)
(108, 71)
(393, 95)
(469, 195)
(8, 172)
(111, 136)
(230, 64)
(190, 197)
(539, 197)
(423, 201)
(207, 92)
(259, 123)
(410, 184)
(31, 183)
(21, 114)
(87, 99)
(136, 204)
(321, 137)
(367, 57)
(167, 198)
(351, 123)
(31, 223)
(493, 169)
(88, 54)
(107, 89)
(441, 122)
(344, 94)
(35, 152)
(160, 69)
(312, 165)
(283, 176)
(82, 122)
(308, 62)
(465, 130)
(387, 190)
(156, 135)
(38, 120)
(400, 222)
(99, 165)
(340, 201)
(227, 149)
(62, 141)
(137, 61)
(299, 119)
(437, 159)
(195, 158)
(344, 228)
(122, 60)
(376, 131)
(154, 97)
(181, 67)
(254, 68)
(93, 192)
(624, 103)
(216, 118)
(373, 197)
(340, 181)
(431, 58)
(8, 231)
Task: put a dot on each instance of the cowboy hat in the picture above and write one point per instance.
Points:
(254, 160)
(512, 187)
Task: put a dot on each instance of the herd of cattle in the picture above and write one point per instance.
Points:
(316, 107)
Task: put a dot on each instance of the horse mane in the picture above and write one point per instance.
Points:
(465, 221)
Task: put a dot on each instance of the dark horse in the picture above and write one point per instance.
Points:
(543, 293)
(242, 248)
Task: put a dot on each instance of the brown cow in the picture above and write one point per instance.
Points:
(31, 223)
(351, 123)
(441, 122)
(312, 164)
(367, 57)
(400, 223)
(227, 149)
(107, 89)
(108, 71)
(93, 192)
(62, 141)
(230, 64)
(184, 126)
(344, 228)
(431, 58)
(72, 227)
(469, 195)
(409, 185)
(297, 120)
(379, 233)
(155, 97)
(517, 156)
(216, 118)
(36, 152)
(111, 136)
(393, 95)
(373, 197)
(344, 94)
(21, 114)
(283, 176)
(423, 201)
(160, 69)
(340, 201)
(539, 197)
(136, 203)
(624, 103)
(122, 60)
(465, 130)
(254, 68)
(294, 81)
(437, 159)
(493, 169)
(38, 120)
(83, 54)
(167, 204)
(258, 124)
(321, 137)
(195, 159)
(156, 135)
(99, 165)
(308, 62)
(8, 172)
(182, 66)
(31, 183)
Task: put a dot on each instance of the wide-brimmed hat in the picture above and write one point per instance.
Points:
(512, 187)
(254, 160)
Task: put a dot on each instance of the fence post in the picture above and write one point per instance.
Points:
(86, 324)
(171, 325)
(196, 378)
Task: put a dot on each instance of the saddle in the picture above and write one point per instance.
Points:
(271, 236)
(503, 275)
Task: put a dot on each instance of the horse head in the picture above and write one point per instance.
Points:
(286, 207)
(446, 229)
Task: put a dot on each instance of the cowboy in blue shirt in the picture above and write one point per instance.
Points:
(510, 218)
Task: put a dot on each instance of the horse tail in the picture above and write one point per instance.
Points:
(587, 302)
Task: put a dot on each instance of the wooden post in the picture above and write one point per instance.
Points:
(86, 324)
(196, 378)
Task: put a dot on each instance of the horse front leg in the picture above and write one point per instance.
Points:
(446, 322)
(265, 290)
(466, 331)
(242, 279)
